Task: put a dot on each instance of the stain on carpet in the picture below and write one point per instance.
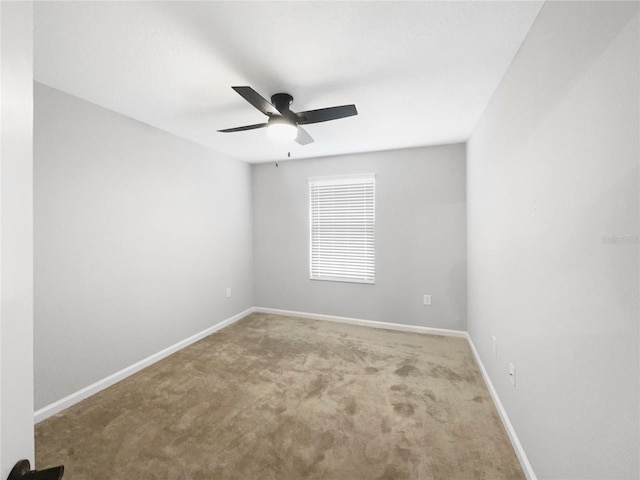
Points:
(406, 370)
(284, 398)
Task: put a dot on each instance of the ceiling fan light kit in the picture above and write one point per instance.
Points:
(283, 124)
(281, 130)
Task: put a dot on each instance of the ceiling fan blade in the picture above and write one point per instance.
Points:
(303, 137)
(242, 129)
(325, 114)
(255, 99)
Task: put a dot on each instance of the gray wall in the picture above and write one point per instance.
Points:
(420, 238)
(16, 234)
(553, 241)
(137, 235)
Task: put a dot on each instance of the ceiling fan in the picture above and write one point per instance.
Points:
(283, 124)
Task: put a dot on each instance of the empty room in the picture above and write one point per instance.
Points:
(346, 240)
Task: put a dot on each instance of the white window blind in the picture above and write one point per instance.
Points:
(342, 213)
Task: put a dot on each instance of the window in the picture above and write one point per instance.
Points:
(342, 211)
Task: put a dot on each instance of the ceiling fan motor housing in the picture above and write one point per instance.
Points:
(281, 101)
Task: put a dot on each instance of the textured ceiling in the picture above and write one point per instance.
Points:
(420, 73)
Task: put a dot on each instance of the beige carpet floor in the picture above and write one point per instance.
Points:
(274, 397)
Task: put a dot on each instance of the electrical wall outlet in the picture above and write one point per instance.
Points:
(512, 374)
(229, 292)
(426, 300)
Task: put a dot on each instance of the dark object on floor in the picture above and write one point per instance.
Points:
(22, 471)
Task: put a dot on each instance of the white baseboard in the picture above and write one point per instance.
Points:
(513, 437)
(106, 382)
(366, 323)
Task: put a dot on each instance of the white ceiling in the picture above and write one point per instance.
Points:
(420, 73)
